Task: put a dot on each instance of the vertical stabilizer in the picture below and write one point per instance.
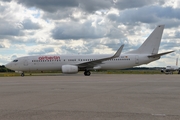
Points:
(176, 61)
(151, 44)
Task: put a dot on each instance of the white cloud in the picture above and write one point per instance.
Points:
(172, 3)
(4, 44)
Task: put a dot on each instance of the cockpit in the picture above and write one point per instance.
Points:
(12, 65)
(15, 60)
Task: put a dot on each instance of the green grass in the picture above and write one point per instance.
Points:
(12, 74)
(133, 72)
(54, 73)
(9, 74)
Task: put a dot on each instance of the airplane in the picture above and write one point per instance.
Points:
(171, 69)
(70, 64)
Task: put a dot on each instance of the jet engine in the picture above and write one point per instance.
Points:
(162, 70)
(69, 69)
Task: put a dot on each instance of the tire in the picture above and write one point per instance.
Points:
(87, 73)
(22, 74)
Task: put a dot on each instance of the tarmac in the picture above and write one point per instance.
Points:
(95, 97)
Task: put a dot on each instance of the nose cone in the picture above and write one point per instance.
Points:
(9, 66)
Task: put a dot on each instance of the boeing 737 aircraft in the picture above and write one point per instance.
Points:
(171, 69)
(68, 64)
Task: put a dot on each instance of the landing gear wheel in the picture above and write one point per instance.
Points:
(22, 74)
(87, 73)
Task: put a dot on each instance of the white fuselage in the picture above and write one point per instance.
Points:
(55, 62)
(172, 68)
(69, 64)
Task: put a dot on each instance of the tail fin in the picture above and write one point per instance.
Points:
(151, 44)
(176, 61)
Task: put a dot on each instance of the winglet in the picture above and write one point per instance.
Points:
(117, 54)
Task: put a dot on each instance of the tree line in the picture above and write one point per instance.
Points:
(4, 69)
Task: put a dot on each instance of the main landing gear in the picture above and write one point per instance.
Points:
(87, 73)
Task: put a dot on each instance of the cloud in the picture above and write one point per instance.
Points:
(15, 20)
(58, 15)
(6, 0)
(28, 24)
(147, 14)
(95, 5)
(72, 30)
(89, 6)
(169, 45)
(49, 5)
(2, 45)
(13, 57)
(55, 5)
(10, 29)
(127, 4)
(177, 34)
(40, 50)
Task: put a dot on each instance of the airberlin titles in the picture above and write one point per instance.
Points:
(58, 58)
(49, 58)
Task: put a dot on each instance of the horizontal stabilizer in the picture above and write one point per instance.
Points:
(160, 54)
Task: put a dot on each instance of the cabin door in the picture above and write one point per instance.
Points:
(26, 64)
(137, 59)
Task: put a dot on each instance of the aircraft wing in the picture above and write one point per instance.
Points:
(160, 54)
(91, 64)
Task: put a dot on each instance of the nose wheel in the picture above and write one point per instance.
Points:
(87, 73)
(22, 74)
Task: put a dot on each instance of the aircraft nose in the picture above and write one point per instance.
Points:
(8, 65)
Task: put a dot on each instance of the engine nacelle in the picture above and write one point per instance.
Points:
(69, 69)
(162, 70)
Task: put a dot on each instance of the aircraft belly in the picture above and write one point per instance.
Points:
(44, 66)
(117, 65)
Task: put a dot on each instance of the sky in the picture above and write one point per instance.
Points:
(38, 27)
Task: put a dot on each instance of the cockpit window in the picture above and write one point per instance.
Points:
(15, 60)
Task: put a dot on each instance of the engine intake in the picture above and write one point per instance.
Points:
(162, 70)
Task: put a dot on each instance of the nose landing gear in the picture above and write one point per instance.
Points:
(22, 74)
